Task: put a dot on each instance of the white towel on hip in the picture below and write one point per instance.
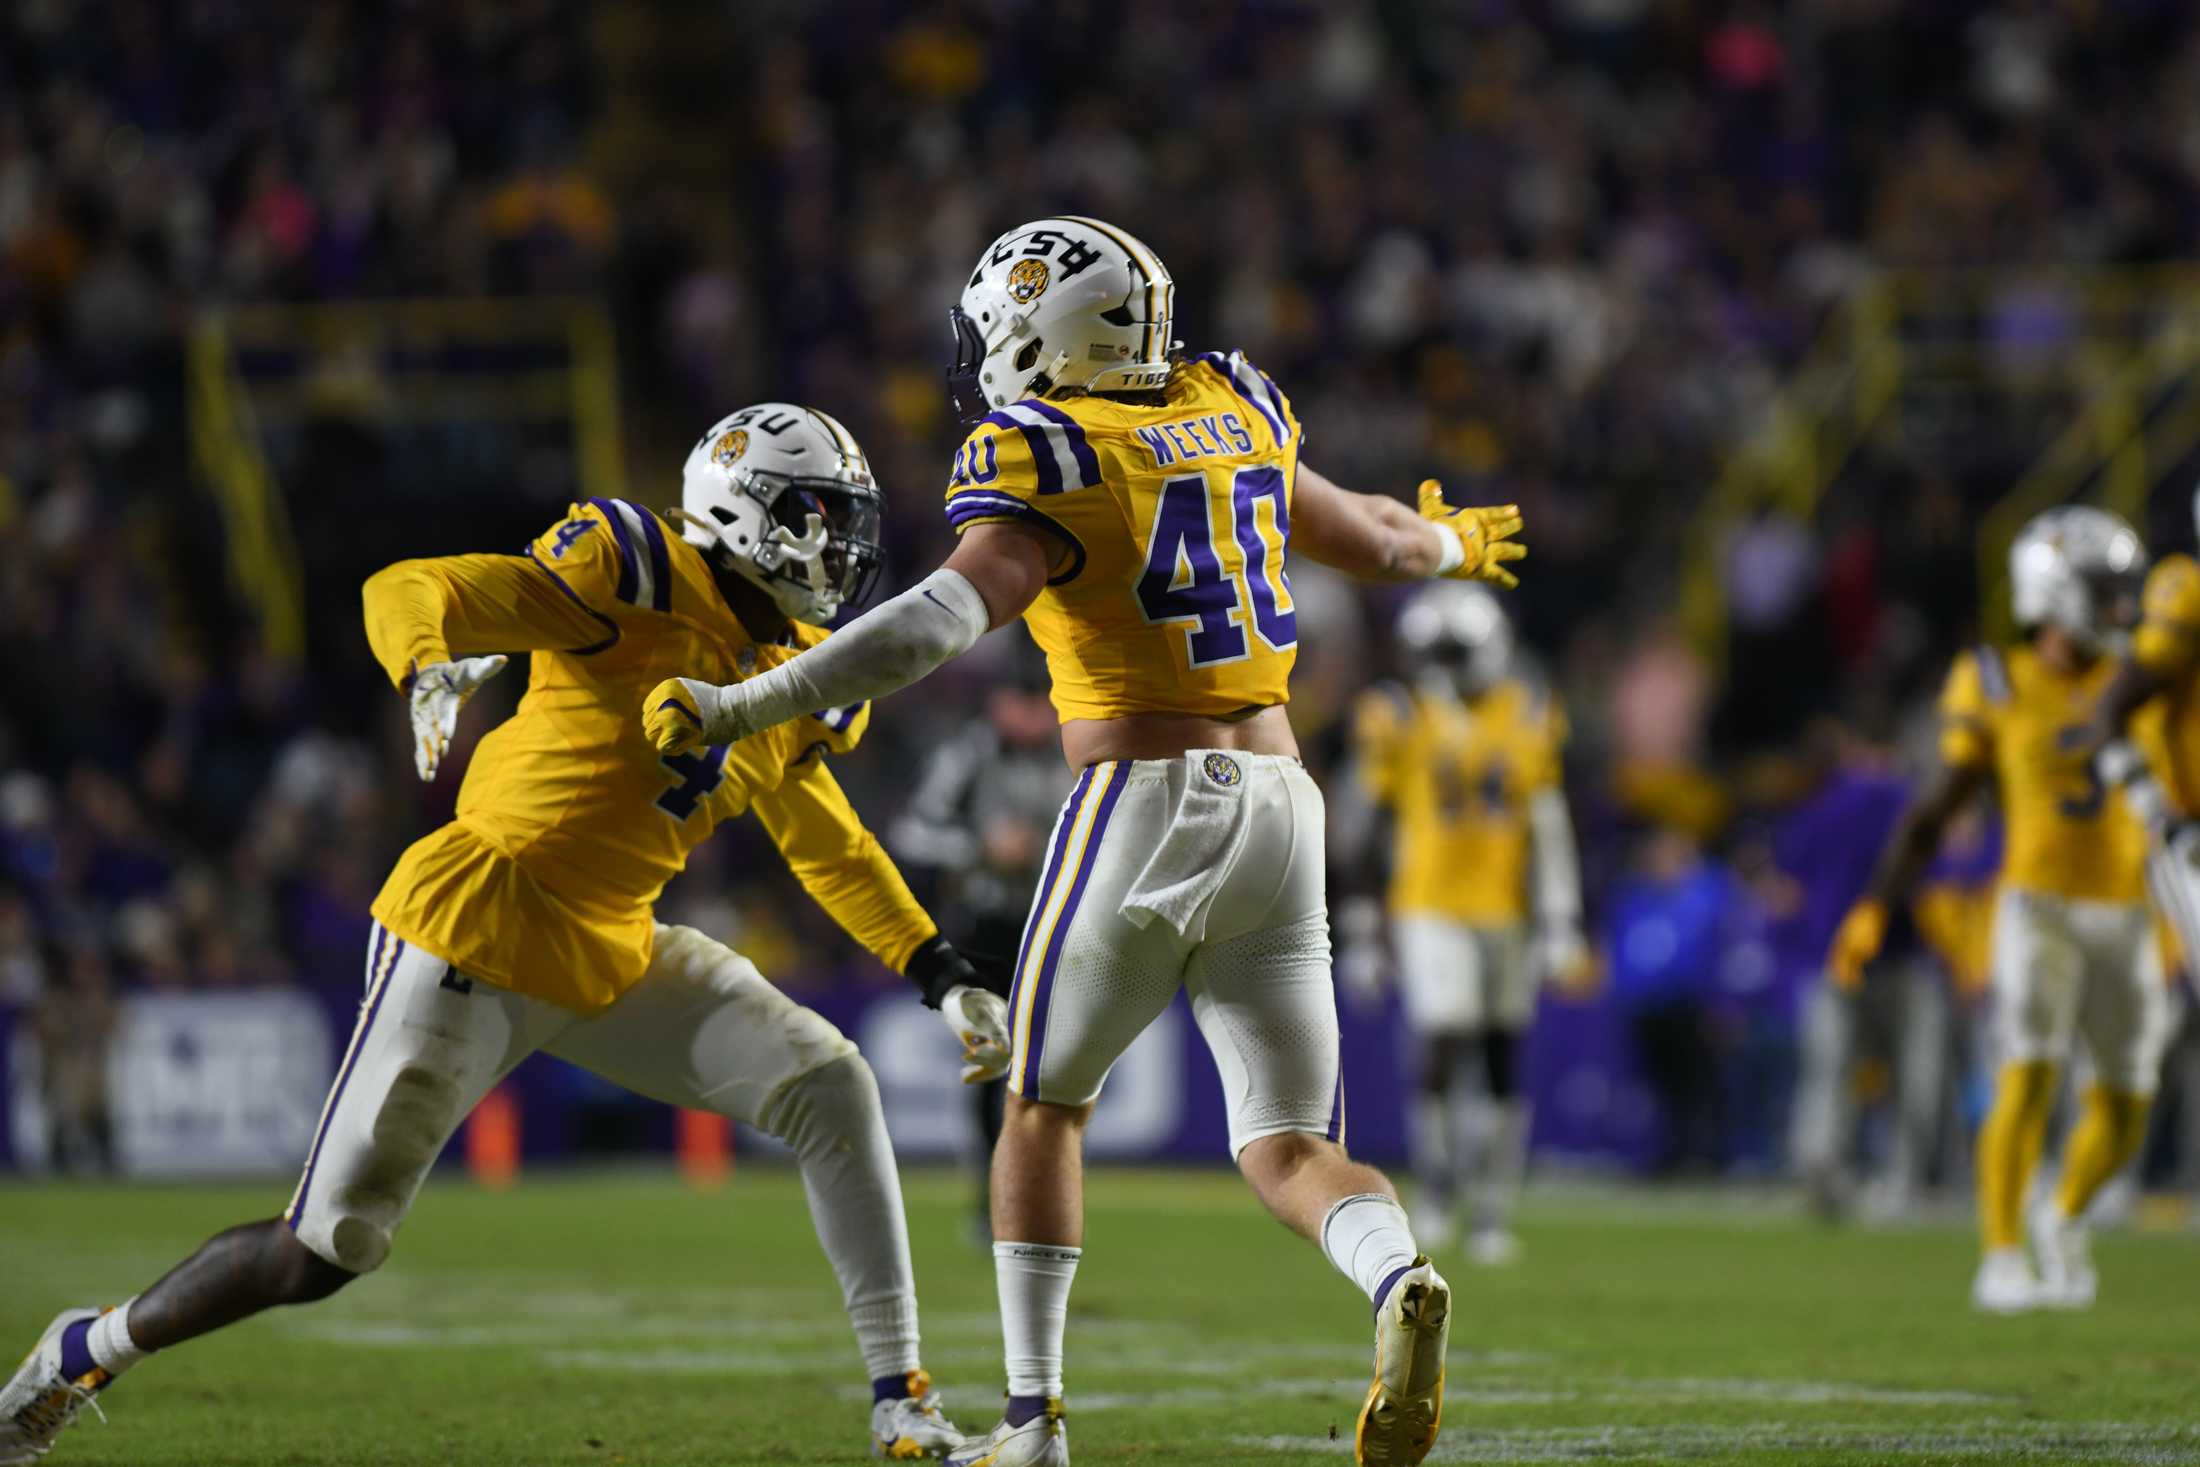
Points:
(1205, 836)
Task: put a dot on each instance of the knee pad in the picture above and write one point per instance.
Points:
(1501, 1062)
(836, 1099)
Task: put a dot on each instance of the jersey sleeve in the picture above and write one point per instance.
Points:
(2167, 643)
(828, 730)
(1550, 730)
(550, 597)
(1260, 393)
(842, 865)
(1966, 709)
(1378, 736)
(1012, 463)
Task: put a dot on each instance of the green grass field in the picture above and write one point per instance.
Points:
(615, 1318)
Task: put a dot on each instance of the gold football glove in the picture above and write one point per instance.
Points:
(672, 715)
(1855, 943)
(1484, 535)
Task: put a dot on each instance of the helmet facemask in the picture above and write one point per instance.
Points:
(819, 549)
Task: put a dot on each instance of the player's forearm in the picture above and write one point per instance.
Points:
(1555, 861)
(881, 652)
(1369, 537)
(404, 606)
(1908, 852)
(421, 612)
(864, 892)
(2132, 685)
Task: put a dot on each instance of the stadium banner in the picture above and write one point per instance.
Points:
(217, 1084)
(232, 1084)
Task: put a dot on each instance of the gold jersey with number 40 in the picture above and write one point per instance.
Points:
(1171, 521)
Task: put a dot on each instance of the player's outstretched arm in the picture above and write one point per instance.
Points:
(1556, 865)
(1917, 836)
(1372, 537)
(996, 571)
(424, 617)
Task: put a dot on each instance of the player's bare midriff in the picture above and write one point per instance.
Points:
(1168, 735)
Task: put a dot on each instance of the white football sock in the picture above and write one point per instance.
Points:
(110, 1342)
(1034, 1280)
(1367, 1237)
(833, 1120)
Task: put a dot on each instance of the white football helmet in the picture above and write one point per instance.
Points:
(1457, 634)
(2078, 569)
(782, 495)
(1060, 302)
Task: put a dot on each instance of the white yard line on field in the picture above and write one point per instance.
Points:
(1998, 1438)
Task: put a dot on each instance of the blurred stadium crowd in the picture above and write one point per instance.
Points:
(1557, 253)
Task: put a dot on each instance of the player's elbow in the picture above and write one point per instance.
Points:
(392, 585)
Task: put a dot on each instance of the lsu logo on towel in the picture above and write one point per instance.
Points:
(1222, 769)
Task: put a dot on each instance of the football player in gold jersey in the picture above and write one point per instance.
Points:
(2073, 948)
(1136, 508)
(526, 922)
(1465, 761)
(2159, 682)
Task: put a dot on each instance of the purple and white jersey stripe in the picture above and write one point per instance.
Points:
(1256, 387)
(645, 565)
(968, 505)
(1060, 455)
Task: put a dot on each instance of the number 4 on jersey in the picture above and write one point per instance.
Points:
(1185, 579)
(699, 775)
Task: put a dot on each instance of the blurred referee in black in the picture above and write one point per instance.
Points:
(978, 824)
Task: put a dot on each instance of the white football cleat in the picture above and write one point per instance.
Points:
(38, 1401)
(1043, 1441)
(2064, 1248)
(913, 1426)
(1405, 1405)
(1493, 1248)
(2005, 1284)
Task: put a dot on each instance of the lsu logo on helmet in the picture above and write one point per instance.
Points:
(727, 451)
(1027, 281)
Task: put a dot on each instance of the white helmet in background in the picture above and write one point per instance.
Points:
(1456, 630)
(782, 496)
(1061, 302)
(2077, 569)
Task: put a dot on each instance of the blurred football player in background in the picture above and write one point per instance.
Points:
(978, 822)
(2161, 674)
(1137, 507)
(1484, 897)
(2074, 953)
(1909, 1024)
(526, 923)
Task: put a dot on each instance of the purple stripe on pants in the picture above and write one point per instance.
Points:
(351, 1059)
(1062, 828)
(1062, 924)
